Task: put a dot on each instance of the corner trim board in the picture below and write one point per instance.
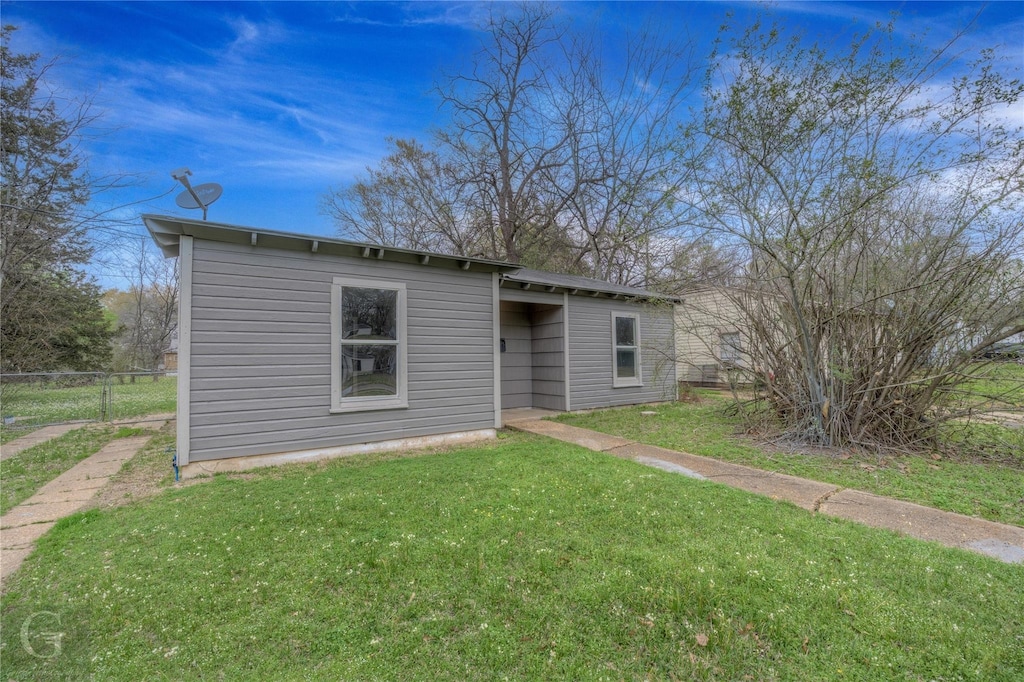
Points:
(184, 350)
(565, 351)
(496, 338)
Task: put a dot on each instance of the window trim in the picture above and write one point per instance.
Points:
(400, 400)
(624, 382)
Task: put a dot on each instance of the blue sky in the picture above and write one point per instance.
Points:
(280, 101)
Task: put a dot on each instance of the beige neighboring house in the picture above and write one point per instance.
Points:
(711, 338)
(169, 357)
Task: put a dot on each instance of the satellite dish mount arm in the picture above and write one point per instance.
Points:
(181, 175)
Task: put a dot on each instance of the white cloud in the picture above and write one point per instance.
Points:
(246, 32)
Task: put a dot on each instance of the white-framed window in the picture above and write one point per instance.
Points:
(368, 345)
(626, 350)
(731, 348)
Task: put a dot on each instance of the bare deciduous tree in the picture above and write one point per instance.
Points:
(554, 157)
(147, 312)
(623, 210)
(414, 198)
(878, 194)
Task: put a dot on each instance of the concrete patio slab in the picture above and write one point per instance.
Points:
(518, 414)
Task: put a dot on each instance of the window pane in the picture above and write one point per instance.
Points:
(625, 364)
(625, 331)
(731, 347)
(368, 370)
(369, 313)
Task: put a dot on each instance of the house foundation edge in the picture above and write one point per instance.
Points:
(238, 464)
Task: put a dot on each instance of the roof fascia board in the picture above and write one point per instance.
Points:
(595, 291)
(167, 230)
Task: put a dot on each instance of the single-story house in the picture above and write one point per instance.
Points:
(294, 346)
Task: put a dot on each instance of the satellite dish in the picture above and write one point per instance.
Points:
(200, 196)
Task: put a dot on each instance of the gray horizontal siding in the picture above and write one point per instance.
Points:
(516, 374)
(261, 352)
(590, 351)
(221, 443)
(290, 266)
(512, 292)
(548, 357)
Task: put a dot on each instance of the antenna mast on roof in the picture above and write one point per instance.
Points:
(200, 196)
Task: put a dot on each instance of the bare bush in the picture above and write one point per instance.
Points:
(878, 195)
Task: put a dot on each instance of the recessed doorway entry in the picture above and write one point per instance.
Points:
(532, 356)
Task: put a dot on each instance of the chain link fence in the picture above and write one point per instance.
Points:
(30, 401)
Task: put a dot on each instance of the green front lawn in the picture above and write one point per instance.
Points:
(996, 385)
(524, 559)
(991, 489)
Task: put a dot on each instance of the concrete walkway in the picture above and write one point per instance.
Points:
(52, 431)
(71, 491)
(38, 436)
(997, 540)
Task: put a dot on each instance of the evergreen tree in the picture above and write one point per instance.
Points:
(50, 313)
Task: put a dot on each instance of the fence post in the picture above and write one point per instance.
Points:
(106, 399)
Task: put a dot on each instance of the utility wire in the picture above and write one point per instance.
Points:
(98, 222)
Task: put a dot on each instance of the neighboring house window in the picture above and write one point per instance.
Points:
(625, 349)
(731, 348)
(368, 349)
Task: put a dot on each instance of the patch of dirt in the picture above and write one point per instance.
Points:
(784, 446)
(146, 474)
(1011, 420)
(150, 472)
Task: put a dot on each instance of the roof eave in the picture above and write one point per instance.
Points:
(167, 232)
(593, 290)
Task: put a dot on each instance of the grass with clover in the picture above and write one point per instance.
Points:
(988, 486)
(520, 559)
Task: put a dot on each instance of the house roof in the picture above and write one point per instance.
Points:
(578, 285)
(167, 232)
